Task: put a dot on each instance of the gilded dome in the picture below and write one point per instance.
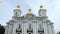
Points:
(29, 11)
(17, 8)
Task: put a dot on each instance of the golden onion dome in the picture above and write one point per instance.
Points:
(17, 8)
(29, 11)
(42, 8)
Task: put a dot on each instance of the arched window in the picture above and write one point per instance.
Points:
(40, 33)
(18, 33)
(29, 30)
(19, 30)
(29, 33)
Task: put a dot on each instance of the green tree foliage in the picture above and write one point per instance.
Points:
(2, 30)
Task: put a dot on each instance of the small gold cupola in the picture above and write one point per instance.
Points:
(17, 11)
(42, 8)
(42, 11)
(29, 11)
(17, 8)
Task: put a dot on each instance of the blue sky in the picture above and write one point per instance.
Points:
(52, 6)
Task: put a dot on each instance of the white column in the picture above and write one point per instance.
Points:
(22, 25)
(6, 30)
(15, 26)
(52, 28)
(33, 28)
(49, 27)
(10, 29)
(45, 28)
(24, 28)
(36, 28)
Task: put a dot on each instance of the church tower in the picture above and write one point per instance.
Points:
(17, 12)
(29, 23)
(42, 12)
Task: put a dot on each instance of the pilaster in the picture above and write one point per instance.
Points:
(45, 28)
(52, 28)
(7, 28)
(49, 29)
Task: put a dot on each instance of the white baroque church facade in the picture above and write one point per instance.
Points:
(29, 23)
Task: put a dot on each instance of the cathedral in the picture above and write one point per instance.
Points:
(29, 23)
